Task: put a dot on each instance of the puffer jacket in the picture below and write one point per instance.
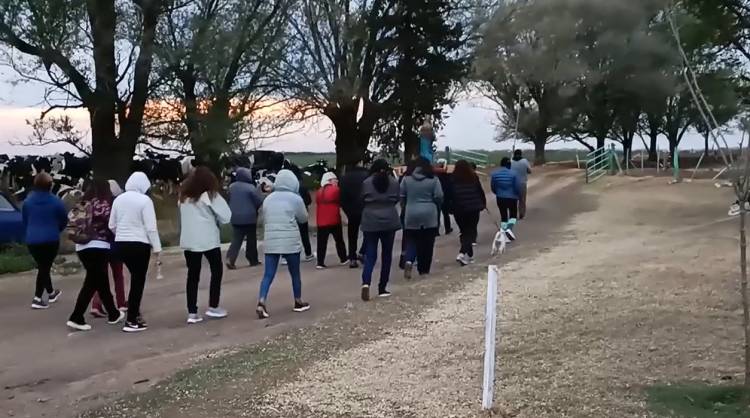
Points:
(244, 199)
(468, 197)
(328, 201)
(505, 184)
(282, 211)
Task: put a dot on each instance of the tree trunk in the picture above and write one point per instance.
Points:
(352, 135)
(539, 158)
(705, 145)
(743, 285)
(600, 142)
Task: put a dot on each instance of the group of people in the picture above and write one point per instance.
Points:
(112, 228)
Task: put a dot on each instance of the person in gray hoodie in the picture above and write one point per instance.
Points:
(283, 212)
(244, 201)
(421, 195)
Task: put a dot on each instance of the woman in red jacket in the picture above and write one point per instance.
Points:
(328, 217)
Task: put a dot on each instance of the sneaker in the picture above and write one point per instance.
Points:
(365, 292)
(39, 303)
(194, 318)
(462, 259)
(78, 327)
(216, 313)
(54, 295)
(345, 262)
(473, 244)
(283, 261)
(261, 311)
(97, 313)
(256, 264)
(231, 266)
(301, 306)
(321, 267)
(120, 317)
(384, 294)
(353, 264)
(123, 309)
(471, 260)
(137, 326)
(310, 257)
(407, 270)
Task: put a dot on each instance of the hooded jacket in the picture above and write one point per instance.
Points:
(282, 211)
(200, 220)
(380, 213)
(505, 184)
(351, 191)
(421, 196)
(133, 218)
(244, 199)
(44, 217)
(328, 202)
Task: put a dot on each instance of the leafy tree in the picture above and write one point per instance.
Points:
(92, 54)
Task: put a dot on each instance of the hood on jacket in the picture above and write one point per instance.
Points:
(138, 182)
(327, 178)
(244, 175)
(286, 181)
(417, 174)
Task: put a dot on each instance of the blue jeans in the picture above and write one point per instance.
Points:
(371, 240)
(272, 264)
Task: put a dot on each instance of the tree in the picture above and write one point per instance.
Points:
(217, 64)
(92, 54)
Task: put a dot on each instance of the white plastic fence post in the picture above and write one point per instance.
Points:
(490, 318)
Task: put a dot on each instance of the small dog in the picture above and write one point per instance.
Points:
(499, 243)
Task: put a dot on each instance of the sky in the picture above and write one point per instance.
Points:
(470, 125)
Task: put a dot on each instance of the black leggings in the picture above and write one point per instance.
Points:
(135, 256)
(96, 263)
(304, 233)
(338, 237)
(508, 208)
(193, 260)
(352, 232)
(44, 256)
(467, 224)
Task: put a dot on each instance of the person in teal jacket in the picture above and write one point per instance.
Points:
(507, 187)
(44, 218)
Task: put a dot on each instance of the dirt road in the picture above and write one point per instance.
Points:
(47, 371)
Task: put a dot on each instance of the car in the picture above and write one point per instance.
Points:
(11, 221)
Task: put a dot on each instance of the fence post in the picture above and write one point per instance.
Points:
(448, 154)
(627, 162)
(676, 165)
(490, 319)
(641, 161)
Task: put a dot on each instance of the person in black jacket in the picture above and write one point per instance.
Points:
(352, 204)
(441, 172)
(468, 202)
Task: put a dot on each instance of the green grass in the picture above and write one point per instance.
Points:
(15, 259)
(699, 401)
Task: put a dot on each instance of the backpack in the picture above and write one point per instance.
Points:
(80, 219)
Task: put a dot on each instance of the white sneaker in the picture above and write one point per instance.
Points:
(216, 313)
(462, 259)
(78, 327)
(283, 261)
(120, 318)
(194, 318)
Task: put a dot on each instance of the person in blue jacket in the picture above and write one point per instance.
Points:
(44, 218)
(506, 186)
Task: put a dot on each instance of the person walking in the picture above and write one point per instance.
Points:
(421, 195)
(116, 266)
(380, 221)
(506, 186)
(469, 201)
(283, 212)
(133, 221)
(44, 218)
(89, 230)
(522, 168)
(444, 211)
(244, 201)
(328, 218)
(351, 185)
(202, 211)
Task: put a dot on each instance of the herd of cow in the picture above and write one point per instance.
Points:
(70, 171)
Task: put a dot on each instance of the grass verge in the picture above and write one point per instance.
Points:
(699, 401)
(15, 258)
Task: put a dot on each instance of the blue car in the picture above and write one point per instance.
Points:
(11, 222)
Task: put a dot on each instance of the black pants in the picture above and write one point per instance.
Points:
(338, 237)
(446, 219)
(239, 233)
(96, 263)
(508, 208)
(304, 233)
(135, 256)
(352, 231)
(467, 223)
(193, 260)
(420, 248)
(44, 256)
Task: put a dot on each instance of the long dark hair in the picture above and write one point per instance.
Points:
(505, 162)
(380, 172)
(463, 172)
(425, 167)
(98, 189)
(202, 180)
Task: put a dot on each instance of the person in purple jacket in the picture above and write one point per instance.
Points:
(44, 218)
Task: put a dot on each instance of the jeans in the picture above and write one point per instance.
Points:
(467, 224)
(371, 239)
(522, 201)
(352, 231)
(44, 256)
(272, 264)
(193, 261)
(96, 262)
(508, 208)
(239, 233)
(338, 237)
(119, 278)
(135, 256)
(304, 233)
(420, 247)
